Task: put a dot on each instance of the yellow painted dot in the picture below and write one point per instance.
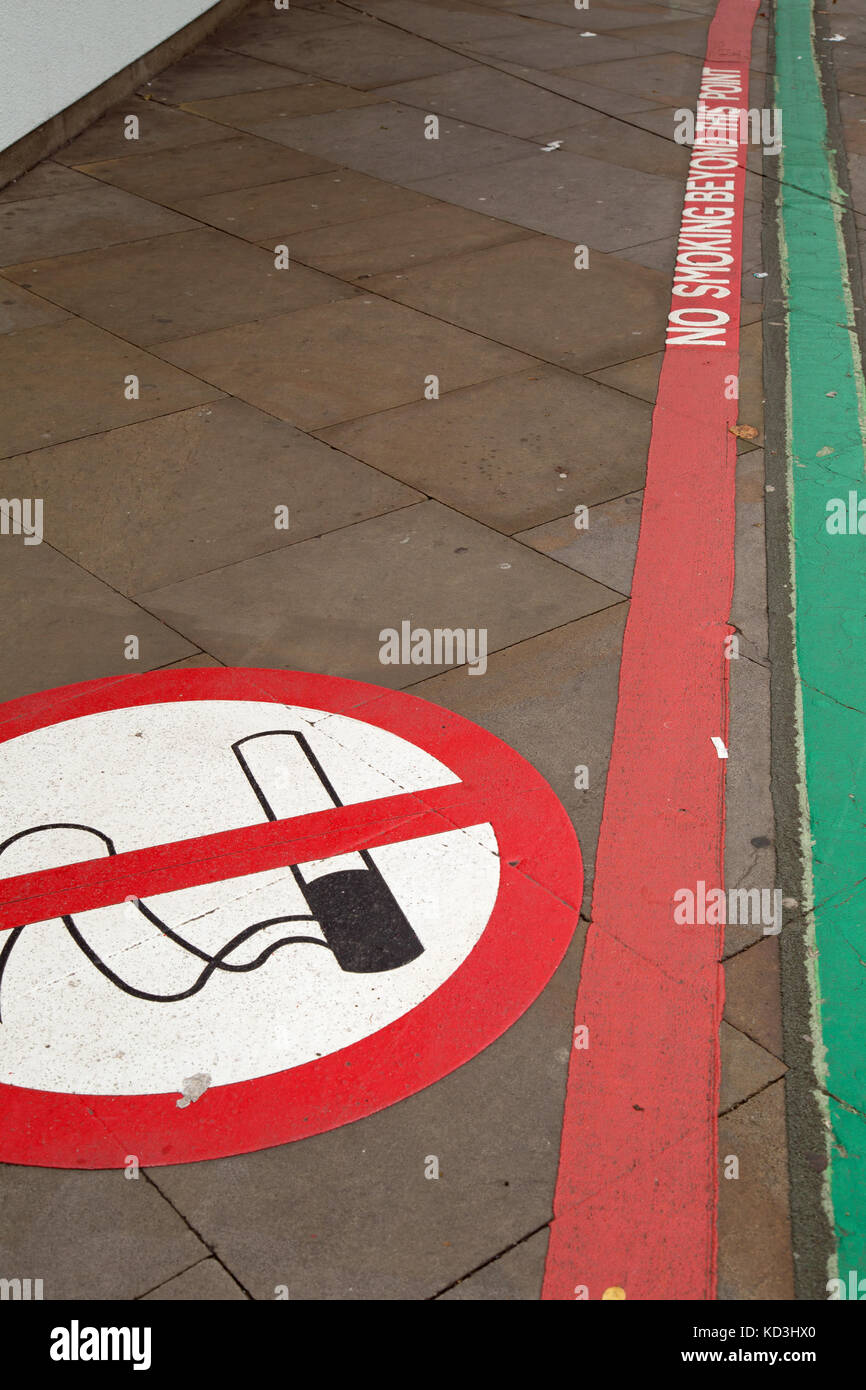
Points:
(615, 1292)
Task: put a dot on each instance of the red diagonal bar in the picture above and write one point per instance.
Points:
(142, 873)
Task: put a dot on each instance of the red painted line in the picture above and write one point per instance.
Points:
(92, 883)
(636, 1194)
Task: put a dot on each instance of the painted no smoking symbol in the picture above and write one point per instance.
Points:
(282, 900)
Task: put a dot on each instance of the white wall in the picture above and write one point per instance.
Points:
(54, 51)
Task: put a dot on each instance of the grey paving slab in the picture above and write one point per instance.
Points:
(618, 142)
(206, 1281)
(425, 564)
(359, 55)
(20, 309)
(558, 48)
(67, 379)
(604, 18)
(553, 698)
(754, 1236)
(586, 201)
(492, 99)
(388, 140)
(374, 245)
(528, 294)
(350, 1216)
(750, 858)
(177, 481)
(753, 998)
(604, 551)
(276, 210)
(749, 602)
(90, 1235)
(281, 28)
(249, 110)
(174, 286)
(514, 1276)
(337, 361)
(512, 452)
(175, 176)
(448, 21)
(746, 1068)
(80, 221)
(212, 71)
(662, 254)
(159, 128)
(47, 178)
(567, 84)
(666, 79)
(65, 626)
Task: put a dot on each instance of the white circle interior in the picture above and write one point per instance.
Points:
(158, 773)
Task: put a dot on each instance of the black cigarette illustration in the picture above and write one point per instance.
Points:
(360, 919)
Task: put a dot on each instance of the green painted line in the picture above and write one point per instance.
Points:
(826, 411)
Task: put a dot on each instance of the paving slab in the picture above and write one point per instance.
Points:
(66, 626)
(425, 564)
(750, 851)
(47, 178)
(749, 602)
(552, 47)
(374, 245)
(475, 450)
(617, 142)
(159, 128)
(102, 493)
(665, 79)
(175, 176)
(59, 1226)
(492, 99)
(20, 309)
(337, 361)
(359, 55)
(753, 994)
(746, 1068)
(81, 221)
(447, 21)
(754, 1237)
(566, 83)
(167, 287)
(276, 210)
(207, 1281)
(64, 380)
(388, 141)
(605, 19)
(584, 200)
(514, 1276)
(529, 294)
(212, 71)
(604, 551)
(350, 1215)
(249, 110)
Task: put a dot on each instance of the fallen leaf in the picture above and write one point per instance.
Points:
(744, 431)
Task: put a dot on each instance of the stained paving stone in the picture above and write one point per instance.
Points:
(58, 1226)
(492, 99)
(852, 109)
(176, 176)
(280, 28)
(529, 295)
(388, 141)
(174, 286)
(277, 210)
(65, 626)
(605, 551)
(208, 1280)
(337, 361)
(512, 452)
(753, 1001)
(553, 697)
(425, 564)
(746, 1068)
(559, 48)
(516, 1275)
(249, 110)
(212, 71)
(367, 1209)
(47, 178)
(374, 245)
(755, 1260)
(82, 221)
(565, 83)
(20, 309)
(358, 55)
(567, 195)
(177, 481)
(66, 380)
(616, 142)
(159, 128)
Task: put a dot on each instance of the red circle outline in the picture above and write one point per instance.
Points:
(529, 929)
